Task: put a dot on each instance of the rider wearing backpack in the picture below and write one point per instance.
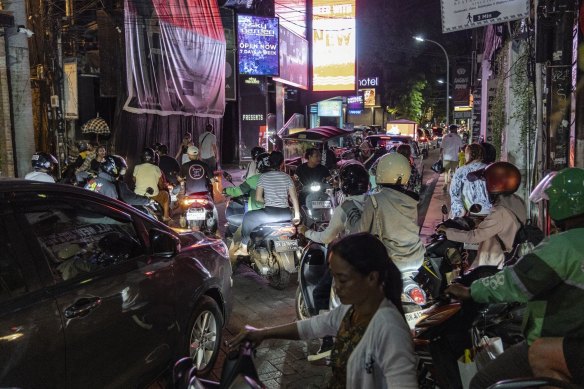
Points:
(506, 217)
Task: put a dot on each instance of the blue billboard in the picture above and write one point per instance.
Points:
(257, 42)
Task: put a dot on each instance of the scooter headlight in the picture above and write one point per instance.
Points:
(315, 187)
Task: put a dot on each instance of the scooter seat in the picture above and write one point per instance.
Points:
(235, 220)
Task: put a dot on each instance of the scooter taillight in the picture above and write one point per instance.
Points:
(285, 231)
(416, 294)
(187, 201)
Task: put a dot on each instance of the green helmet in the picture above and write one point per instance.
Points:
(565, 192)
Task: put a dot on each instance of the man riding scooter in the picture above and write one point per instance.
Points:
(109, 182)
(195, 177)
(43, 165)
(149, 178)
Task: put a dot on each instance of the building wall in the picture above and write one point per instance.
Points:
(6, 149)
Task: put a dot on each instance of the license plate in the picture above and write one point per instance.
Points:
(321, 204)
(471, 246)
(196, 214)
(285, 245)
(413, 317)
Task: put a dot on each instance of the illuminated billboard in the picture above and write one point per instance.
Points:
(292, 15)
(368, 97)
(355, 103)
(293, 59)
(257, 42)
(333, 45)
(332, 108)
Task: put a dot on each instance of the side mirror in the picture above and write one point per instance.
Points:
(475, 208)
(227, 176)
(163, 244)
(444, 209)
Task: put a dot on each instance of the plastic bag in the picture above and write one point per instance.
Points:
(437, 166)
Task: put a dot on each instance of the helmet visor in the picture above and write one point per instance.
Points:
(539, 193)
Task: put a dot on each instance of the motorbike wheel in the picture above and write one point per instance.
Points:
(280, 278)
(300, 304)
(203, 335)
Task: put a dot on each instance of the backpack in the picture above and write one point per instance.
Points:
(526, 238)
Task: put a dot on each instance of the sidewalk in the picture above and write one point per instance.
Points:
(434, 213)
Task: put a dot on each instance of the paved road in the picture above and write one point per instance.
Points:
(281, 363)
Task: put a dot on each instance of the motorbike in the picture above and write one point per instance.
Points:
(313, 265)
(273, 248)
(198, 212)
(444, 331)
(317, 203)
(238, 371)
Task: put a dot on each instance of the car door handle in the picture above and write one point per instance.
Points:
(82, 307)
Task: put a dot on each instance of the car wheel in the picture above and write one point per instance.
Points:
(300, 304)
(203, 336)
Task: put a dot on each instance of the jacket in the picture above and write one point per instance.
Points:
(464, 193)
(345, 220)
(393, 216)
(384, 358)
(248, 187)
(502, 221)
(550, 279)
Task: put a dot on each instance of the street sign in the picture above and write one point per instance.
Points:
(461, 15)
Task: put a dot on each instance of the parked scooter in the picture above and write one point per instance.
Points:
(238, 371)
(198, 212)
(273, 248)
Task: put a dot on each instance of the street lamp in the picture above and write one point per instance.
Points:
(420, 39)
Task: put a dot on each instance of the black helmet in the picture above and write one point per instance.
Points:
(263, 161)
(114, 165)
(148, 155)
(354, 179)
(256, 151)
(43, 161)
(82, 145)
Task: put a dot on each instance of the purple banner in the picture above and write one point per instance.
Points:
(257, 40)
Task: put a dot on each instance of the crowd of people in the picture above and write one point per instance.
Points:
(373, 239)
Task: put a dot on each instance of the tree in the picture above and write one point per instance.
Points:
(412, 102)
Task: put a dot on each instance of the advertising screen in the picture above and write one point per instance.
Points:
(355, 103)
(330, 108)
(368, 97)
(293, 59)
(333, 45)
(292, 15)
(257, 42)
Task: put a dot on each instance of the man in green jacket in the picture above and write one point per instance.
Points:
(550, 279)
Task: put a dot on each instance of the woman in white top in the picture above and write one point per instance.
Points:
(373, 347)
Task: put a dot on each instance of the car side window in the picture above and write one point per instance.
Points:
(79, 237)
(12, 280)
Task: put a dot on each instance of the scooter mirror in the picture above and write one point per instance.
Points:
(444, 209)
(475, 208)
(227, 176)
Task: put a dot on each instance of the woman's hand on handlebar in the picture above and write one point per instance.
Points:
(458, 291)
(249, 333)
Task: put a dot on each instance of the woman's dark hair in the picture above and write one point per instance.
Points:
(310, 152)
(367, 254)
(276, 159)
(476, 152)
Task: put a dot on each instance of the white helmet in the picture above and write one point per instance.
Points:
(393, 169)
(193, 150)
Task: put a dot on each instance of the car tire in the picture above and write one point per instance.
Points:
(203, 335)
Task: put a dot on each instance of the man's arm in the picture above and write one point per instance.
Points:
(294, 199)
(334, 228)
(489, 227)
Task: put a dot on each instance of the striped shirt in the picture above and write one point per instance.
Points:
(276, 185)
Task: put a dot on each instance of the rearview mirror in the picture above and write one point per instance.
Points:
(444, 209)
(163, 244)
(475, 208)
(227, 176)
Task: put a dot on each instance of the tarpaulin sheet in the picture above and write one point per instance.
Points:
(175, 57)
